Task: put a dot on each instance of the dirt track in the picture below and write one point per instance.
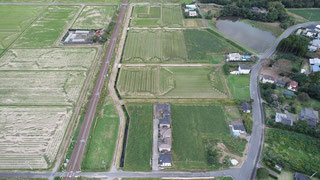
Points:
(78, 152)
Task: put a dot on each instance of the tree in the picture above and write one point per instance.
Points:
(303, 96)
(314, 90)
(262, 173)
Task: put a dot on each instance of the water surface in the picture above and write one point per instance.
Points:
(250, 36)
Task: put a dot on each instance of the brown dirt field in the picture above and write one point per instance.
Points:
(281, 66)
(225, 153)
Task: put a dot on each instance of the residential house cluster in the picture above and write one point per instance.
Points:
(291, 85)
(311, 31)
(238, 57)
(163, 114)
(191, 10)
(309, 115)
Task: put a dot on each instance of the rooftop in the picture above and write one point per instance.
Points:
(243, 66)
(165, 158)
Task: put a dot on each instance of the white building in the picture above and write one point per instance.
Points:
(193, 13)
(267, 79)
(244, 69)
(191, 7)
(234, 57)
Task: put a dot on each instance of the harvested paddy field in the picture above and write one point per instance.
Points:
(171, 82)
(47, 29)
(14, 20)
(94, 17)
(139, 145)
(196, 128)
(39, 89)
(155, 16)
(101, 146)
(309, 14)
(157, 46)
(239, 87)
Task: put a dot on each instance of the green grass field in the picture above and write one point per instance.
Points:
(293, 150)
(14, 20)
(94, 17)
(47, 29)
(193, 126)
(171, 16)
(157, 46)
(309, 14)
(89, 1)
(171, 82)
(239, 86)
(139, 145)
(201, 43)
(101, 146)
(18, 1)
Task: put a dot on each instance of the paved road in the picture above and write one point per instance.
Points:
(78, 152)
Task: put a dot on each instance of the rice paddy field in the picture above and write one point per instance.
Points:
(193, 127)
(309, 14)
(157, 46)
(47, 29)
(139, 144)
(171, 82)
(89, 1)
(94, 17)
(185, 46)
(14, 20)
(155, 16)
(17, 1)
(39, 88)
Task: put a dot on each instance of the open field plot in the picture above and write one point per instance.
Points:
(201, 43)
(193, 128)
(171, 16)
(47, 29)
(194, 23)
(239, 86)
(30, 136)
(39, 88)
(14, 20)
(100, 149)
(171, 82)
(309, 14)
(139, 145)
(18, 1)
(292, 150)
(155, 16)
(94, 17)
(154, 46)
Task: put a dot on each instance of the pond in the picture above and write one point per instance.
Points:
(250, 36)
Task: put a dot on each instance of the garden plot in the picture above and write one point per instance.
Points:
(171, 16)
(94, 17)
(39, 88)
(14, 20)
(171, 82)
(154, 46)
(47, 29)
(30, 136)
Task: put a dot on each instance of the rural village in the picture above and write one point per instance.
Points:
(160, 89)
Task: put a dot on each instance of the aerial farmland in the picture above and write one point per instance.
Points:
(44, 83)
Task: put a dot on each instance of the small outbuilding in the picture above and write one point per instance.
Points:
(165, 160)
(246, 107)
(281, 83)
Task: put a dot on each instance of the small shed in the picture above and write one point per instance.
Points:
(165, 160)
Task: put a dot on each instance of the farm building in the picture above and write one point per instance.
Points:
(165, 133)
(309, 115)
(165, 121)
(293, 86)
(165, 145)
(245, 107)
(286, 119)
(234, 57)
(80, 37)
(191, 7)
(299, 176)
(193, 13)
(238, 129)
(244, 69)
(267, 79)
(165, 160)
